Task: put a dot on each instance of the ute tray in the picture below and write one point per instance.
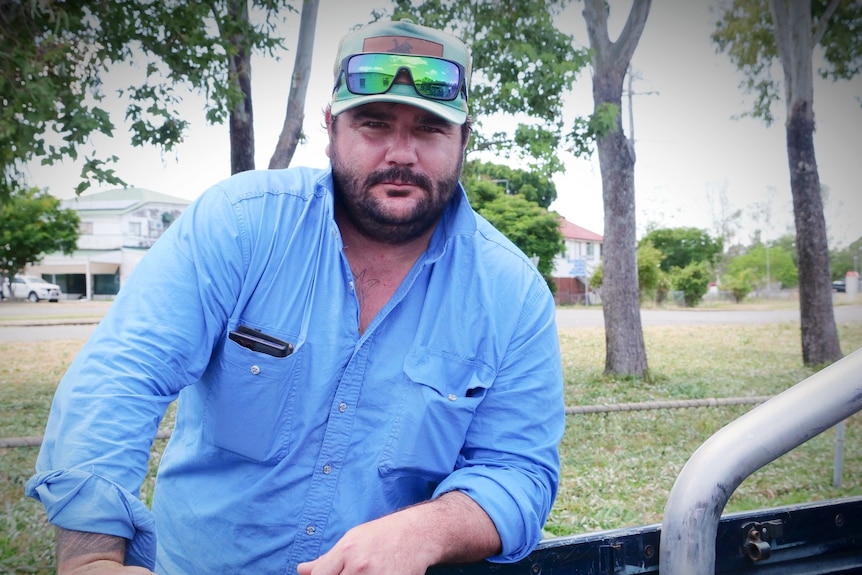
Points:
(807, 539)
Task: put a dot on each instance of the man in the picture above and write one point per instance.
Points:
(368, 374)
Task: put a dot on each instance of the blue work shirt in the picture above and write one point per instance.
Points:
(455, 385)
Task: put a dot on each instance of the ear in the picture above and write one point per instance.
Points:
(466, 141)
(327, 118)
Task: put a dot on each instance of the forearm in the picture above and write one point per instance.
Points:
(76, 548)
(80, 553)
(450, 529)
(455, 529)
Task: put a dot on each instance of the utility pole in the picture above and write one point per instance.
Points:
(630, 93)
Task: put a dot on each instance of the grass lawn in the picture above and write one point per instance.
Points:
(617, 468)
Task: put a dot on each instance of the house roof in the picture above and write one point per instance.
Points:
(572, 231)
(121, 200)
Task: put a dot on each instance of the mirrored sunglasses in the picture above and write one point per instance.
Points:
(433, 78)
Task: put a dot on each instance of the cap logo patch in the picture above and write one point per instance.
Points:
(403, 45)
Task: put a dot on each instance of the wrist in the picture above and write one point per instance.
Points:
(78, 549)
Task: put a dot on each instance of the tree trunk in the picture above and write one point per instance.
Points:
(291, 131)
(626, 353)
(793, 36)
(241, 120)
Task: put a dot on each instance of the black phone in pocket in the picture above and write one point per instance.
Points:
(258, 341)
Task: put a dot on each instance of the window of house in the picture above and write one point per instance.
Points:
(135, 228)
(590, 249)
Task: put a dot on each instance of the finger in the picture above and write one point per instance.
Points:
(306, 567)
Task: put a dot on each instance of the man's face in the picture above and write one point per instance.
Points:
(395, 167)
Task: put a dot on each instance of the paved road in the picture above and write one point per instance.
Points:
(45, 321)
(579, 317)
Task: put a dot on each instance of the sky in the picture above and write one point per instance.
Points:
(692, 153)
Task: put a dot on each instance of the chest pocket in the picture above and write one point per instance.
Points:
(438, 398)
(250, 403)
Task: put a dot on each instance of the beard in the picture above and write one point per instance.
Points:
(371, 217)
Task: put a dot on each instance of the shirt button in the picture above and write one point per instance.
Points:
(342, 407)
(310, 530)
(327, 469)
(452, 397)
(351, 285)
(255, 370)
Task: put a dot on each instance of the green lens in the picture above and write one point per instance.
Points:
(433, 78)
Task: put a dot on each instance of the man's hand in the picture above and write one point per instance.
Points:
(81, 553)
(450, 529)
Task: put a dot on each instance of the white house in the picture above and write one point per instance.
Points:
(573, 268)
(117, 228)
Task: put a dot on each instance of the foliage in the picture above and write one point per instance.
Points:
(31, 225)
(788, 243)
(522, 66)
(589, 129)
(745, 32)
(50, 65)
(692, 280)
(683, 246)
(845, 260)
(650, 275)
(56, 56)
(739, 284)
(780, 264)
(533, 186)
(649, 270)
(529, 226)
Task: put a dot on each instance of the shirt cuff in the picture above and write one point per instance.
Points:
(81, 501)
(518, 526)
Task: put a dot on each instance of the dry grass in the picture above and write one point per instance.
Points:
(617, 467)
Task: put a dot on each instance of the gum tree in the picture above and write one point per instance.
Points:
(755, 34)
(56, 56)
(625, 350)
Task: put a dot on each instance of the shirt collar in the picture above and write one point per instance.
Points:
(458, 220)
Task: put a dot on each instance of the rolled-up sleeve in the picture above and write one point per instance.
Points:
(510, 462)
(156, 339)
(82, 501)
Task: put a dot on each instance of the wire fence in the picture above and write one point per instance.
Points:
(36, 440)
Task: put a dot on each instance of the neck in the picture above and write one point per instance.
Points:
(378, 267)
(358, 246)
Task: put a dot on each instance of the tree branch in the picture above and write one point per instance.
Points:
(631, 34)
(823, 23)
(619, 52)
(596, 16)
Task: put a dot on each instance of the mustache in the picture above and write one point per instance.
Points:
(401, 175)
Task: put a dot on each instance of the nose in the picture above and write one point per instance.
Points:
(402, 147)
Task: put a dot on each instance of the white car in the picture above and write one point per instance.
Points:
(33, 288)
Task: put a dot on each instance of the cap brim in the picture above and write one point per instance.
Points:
(448, 113)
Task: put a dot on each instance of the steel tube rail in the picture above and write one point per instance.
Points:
(722, 462)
